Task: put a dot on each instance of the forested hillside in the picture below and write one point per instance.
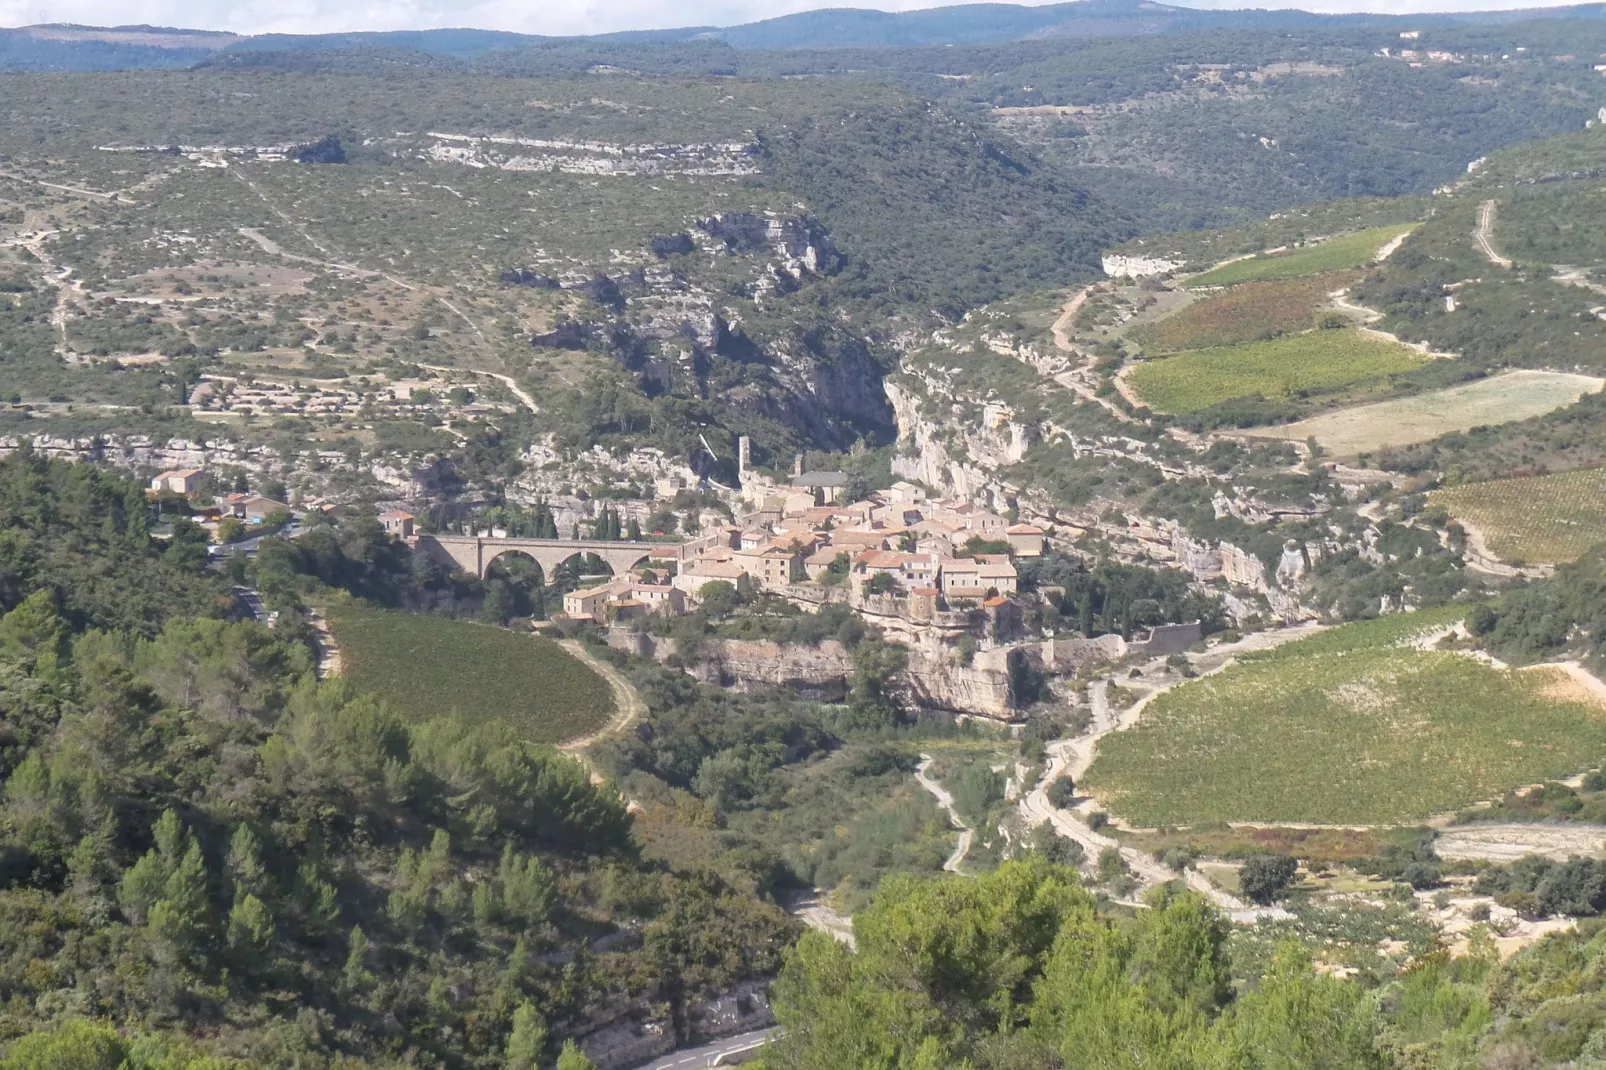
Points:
(201, 837)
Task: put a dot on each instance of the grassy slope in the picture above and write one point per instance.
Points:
(1481, 404)
(1293, 364)
(424, 666)
(1343, 728)
(1335, 254)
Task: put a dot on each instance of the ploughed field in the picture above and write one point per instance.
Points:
(1293, 365)
(1351, 726)
(423, 666)
(1547, 520)
(1334, 254)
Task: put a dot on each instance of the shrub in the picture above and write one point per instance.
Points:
(1177, 859)
(1266, 877)
(1526, 904)
(1062, 793)
(1421, 875)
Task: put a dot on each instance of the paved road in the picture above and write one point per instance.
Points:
(688, 1058)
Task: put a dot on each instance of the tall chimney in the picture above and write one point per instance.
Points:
(797, 465)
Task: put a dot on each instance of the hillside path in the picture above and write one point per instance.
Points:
(506, 380)
(946, 801)
(271, 248)
(1484, 235)
(811, 909)
(1076, 380)
(1074, 755)
(331, 660)
(629, 706)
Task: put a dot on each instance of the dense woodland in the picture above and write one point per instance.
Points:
(200, 836)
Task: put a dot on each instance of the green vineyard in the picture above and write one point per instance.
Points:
(1335, 254)
(1290, 366)
(1539, 519)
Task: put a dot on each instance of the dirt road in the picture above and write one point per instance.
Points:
(506, 380)
(1081, 381)
(1484, 235)
(946, 801)
(1073, 756)
(811, 910)
(331, 661)
(628, 705)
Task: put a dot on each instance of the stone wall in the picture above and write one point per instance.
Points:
(1168, 639)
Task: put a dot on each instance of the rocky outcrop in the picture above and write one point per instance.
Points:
(641, 1031)
(825, 672)
(1138, 267)
(953, 460)
(310, 471)
(593, 157)
(743, 1009)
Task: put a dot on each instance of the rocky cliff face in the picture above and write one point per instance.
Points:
(824, 672)
(684, 330)
(959, 451)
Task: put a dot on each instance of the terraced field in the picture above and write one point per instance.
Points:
(1335, 254)
(1541, 520)
(1499, 399)
(424, 666)
(1339, 732)
(1282, 367)
(1246, 313)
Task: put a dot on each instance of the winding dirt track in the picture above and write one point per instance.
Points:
(629, 707)
(1074, 755)
(1075, 380)
(946, 801)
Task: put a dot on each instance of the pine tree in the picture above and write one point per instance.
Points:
(250, 927)
(527, 888)
(572, 1058)
(527, 1042)
(246, 873)
(355, 977)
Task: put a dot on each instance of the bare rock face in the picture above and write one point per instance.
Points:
(743, 1009)
(628, 1040)
(825, 672)
(983, 688)
(816, 672)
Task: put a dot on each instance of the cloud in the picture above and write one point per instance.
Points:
(555, 17)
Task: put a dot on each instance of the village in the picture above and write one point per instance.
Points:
(803, 541)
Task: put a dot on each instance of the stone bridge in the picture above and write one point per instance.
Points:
(474, 553)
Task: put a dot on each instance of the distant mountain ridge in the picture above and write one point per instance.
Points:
(71, 47)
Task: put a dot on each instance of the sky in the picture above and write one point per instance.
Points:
(555, 17)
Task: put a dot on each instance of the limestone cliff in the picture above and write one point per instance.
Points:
(824, 672)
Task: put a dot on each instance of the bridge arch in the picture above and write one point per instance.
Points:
(510, 560)
(474, 553)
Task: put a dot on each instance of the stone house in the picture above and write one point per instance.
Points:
(185, 481)
(1025, 540)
